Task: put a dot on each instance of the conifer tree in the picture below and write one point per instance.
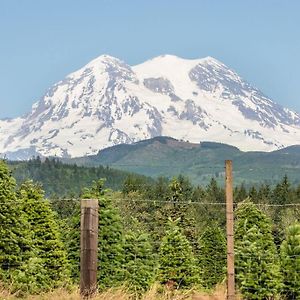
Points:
(72, 242)
(177, 264)
(15, 242)
(45, 234)
(257, 263)
(212, 256)
(290, 262)
(110, 247)
(240, 193)
(181, 209)
(139, 260)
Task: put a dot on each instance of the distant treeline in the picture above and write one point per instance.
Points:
(65, 180)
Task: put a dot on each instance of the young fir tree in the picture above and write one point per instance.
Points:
(180, 208)
(290, 262)
(139, 260)
(257, 264)
(47, 244)
(15, 240)
(212, 256)
(72, 241)
(208, 213)
(177, 264)
(110, 247)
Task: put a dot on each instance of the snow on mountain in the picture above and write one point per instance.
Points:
(108, 102)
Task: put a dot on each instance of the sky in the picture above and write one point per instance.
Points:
(43, 41)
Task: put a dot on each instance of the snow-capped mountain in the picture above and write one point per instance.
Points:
(108, 102)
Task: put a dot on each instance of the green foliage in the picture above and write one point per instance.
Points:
(257, 264)
(71, 238)
(212, 256)
(65, 180)
(177, 264)
(164, 156)
(110, 247)
(32, 257)
(180, 191)
(133, 183)
(30, 278)
(290, 262)
(139, 260)
(15, 241)
(45, 235)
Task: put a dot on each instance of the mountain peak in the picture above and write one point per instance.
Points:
(105, 59)
(108, 102)
(212, 60)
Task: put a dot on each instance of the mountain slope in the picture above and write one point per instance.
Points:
(164, 156)
(108, 102)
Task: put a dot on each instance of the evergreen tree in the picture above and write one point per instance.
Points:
(45, 234)
(257, 263)
(72, 241)
(240, 193)
(253, 195)
(281, 193)
(210, 212)
(281, 196)
(212, 256)
(290, 262)
(264, 194)
(177, 264)
(15, 241)
(180, 208)
(139, 260)
(110, 247)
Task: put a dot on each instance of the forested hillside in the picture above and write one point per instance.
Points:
(165, 156)
(62, 180)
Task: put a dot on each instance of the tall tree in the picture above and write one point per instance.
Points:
(290, 262)
(15, 240)
(110, 247)
(212, 256)
(45, 234)
(139, 261)
(177, 263)
(257, 262)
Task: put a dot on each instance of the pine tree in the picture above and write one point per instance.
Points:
(290, 262)
(47, 243)
(177, 264)
(257, 263)
(139, 260)
(212, 256)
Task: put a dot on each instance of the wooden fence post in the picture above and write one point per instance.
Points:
(229, 230)
(88, 247)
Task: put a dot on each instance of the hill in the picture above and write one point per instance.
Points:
(165, 156)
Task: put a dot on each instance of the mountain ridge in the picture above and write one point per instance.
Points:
(166, 156)
(107, 102)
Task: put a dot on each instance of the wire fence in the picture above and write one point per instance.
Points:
(137, 211)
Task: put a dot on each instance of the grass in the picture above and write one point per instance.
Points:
(154, 293)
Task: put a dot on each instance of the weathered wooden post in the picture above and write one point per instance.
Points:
(88, 247)
(229, 230)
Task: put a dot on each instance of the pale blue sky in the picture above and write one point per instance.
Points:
(43, 41)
